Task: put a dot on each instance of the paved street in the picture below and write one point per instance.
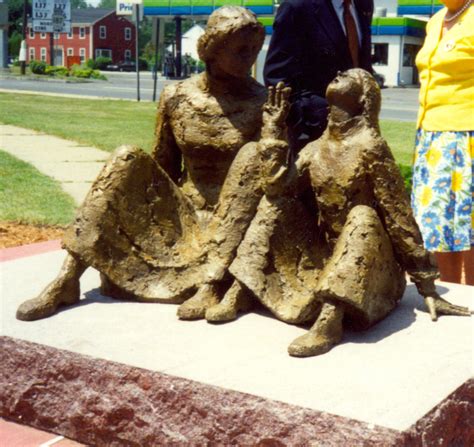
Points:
(397, 103)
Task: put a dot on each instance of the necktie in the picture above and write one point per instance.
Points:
(351, 32)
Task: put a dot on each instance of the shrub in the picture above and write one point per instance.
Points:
(101, 62)
(38, 67)
(56, 71)
(81, 71)
(90, 63)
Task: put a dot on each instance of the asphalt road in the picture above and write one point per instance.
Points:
(397, 103)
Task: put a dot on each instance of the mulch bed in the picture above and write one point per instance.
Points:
(14, 234)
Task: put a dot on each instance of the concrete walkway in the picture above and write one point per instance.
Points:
(72, 164)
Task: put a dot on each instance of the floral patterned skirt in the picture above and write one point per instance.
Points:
(443, 189)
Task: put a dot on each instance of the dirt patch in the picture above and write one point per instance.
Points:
(13, 234)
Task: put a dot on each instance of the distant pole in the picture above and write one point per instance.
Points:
(178, 36)
(24, 28)
(157, 41)
(137, 25)
(51, 48)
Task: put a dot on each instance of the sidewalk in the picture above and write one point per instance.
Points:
(74, 165)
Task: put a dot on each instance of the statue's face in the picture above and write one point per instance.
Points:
(237, 53)
(345, 91)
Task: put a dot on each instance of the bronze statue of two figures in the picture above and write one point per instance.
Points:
(216, 220)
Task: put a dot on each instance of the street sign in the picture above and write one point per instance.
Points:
(52, 16)
(126, 8)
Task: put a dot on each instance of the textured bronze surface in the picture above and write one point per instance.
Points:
(215, 217)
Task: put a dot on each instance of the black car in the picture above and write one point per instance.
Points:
(122, 66)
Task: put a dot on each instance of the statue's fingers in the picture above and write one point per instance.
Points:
(271, 95)
(446, 308)
(430, 304)
(286, 93)
(279, 89)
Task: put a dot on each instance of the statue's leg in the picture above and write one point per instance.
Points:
(195, 308)
(236, 299)
(324, 334)
(63, 291)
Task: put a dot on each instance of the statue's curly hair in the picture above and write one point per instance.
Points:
(371, 97)
(221, 23)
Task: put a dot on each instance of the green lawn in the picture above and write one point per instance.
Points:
(28, 196)
(104, 124)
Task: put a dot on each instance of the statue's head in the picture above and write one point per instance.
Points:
(232, 41)
(357, 92)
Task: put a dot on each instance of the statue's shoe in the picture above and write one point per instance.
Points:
(195, 308)
(221, 313)
(309, 345)
(56, 294)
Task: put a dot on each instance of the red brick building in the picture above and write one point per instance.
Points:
(94, 32)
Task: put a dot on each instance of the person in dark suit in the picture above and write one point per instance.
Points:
(312, 41)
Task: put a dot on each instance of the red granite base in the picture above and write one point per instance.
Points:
(98, 402)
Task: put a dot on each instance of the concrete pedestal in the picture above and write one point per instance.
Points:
(109, 372)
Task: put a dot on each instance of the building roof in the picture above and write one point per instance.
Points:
(89, 15)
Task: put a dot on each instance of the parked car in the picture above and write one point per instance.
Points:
(121, 66)
(380, 79)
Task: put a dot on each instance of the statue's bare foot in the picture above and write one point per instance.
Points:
(60, 292)
(325, 333)
(236, 299)
(195, 308)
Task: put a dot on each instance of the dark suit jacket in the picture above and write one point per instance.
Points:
(307, 49)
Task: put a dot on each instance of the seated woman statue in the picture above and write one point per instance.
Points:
(165, 227)
(365, 237)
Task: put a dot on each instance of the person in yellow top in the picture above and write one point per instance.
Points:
(443, 187)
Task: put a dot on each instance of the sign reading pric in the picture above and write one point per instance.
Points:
(51, 16)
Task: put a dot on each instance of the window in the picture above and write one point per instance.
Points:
(409, 54)
(69, 34)
(82, 32)
(128, 33)
(82, 53)
(43, 54)
(380, 54)
(56, 36)
(32, 54)
(70, 52)
(103, 53)
(102, 32)
(43, 35)
(128, 55)
(32, 33)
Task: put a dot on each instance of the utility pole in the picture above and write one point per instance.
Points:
(51, 48)
(155, 68)
(178, 37)
(22, 55)
(137, 25)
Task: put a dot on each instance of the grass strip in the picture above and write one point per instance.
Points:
(27, 196)
(105, 124)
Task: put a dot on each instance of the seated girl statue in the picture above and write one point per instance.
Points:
(365, 238)
(165, 227)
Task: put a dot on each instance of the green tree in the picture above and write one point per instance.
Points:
(79, 4)
(108, 4)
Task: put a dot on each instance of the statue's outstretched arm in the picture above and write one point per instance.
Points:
(165, 150)
(394, 207)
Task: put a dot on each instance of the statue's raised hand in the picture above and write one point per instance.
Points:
(438, 306)
(275, 111)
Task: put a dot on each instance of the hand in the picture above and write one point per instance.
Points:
(275, 111)
(437, 306)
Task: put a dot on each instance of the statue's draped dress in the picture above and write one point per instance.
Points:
(358, 240)
(159, 226)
